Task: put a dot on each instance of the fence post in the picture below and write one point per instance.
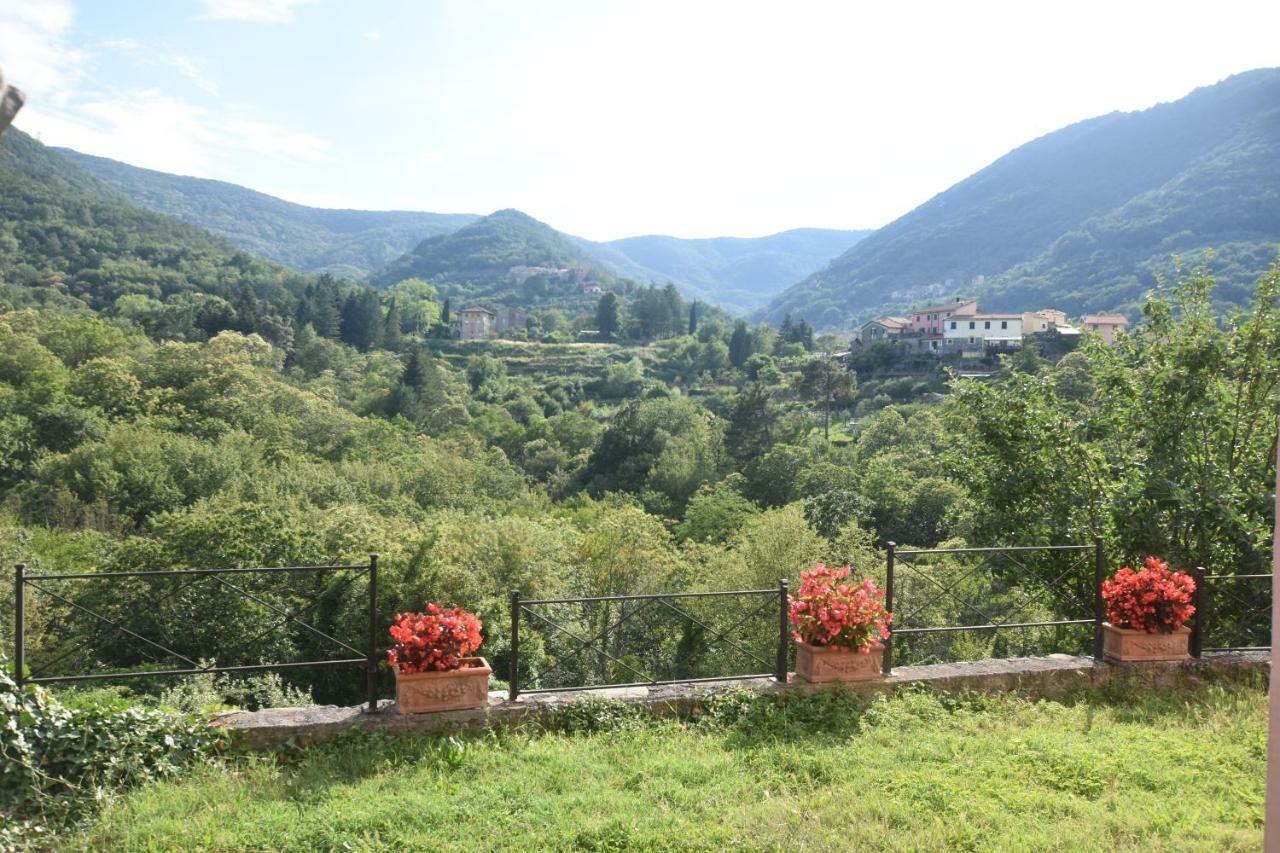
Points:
(887, 666)
(1099, 610)
(19, 627)
(1197, 627)
(513, 686)
(780, 668)
(372, 666)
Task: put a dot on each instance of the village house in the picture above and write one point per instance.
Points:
(883, 329)
(977, 334)
(1035, 322)
(1106, 325)
(473, 324)
(928, 321)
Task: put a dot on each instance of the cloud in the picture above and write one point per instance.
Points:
(184, 65)
(34, 50)
(252, 11)
(373, 35)
(154, 129)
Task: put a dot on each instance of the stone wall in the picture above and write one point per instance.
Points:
(1050, 676)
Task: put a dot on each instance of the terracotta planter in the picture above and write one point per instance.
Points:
(1126, 644)
(455, 690)
(821, 664)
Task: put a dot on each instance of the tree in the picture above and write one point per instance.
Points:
(391, 334)
(740, 345)
(823, 379)
(362, 320)
(693, 318)
(752, 423)
(607, 315)
(446, 311)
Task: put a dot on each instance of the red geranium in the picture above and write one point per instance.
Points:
(435, 641)
(826, 612)
(1151, 599)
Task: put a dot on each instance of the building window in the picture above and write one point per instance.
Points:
(953, 324)
(971, 339)
(972, 325)
(1004, 324)
(986, 324)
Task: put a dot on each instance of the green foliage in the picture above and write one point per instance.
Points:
(59, 762)
(915, 770)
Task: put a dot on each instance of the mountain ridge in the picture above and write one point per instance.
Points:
(1005, 222)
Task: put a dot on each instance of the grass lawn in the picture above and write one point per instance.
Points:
(1156, 770)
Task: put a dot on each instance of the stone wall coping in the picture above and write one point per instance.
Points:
(1048, 676)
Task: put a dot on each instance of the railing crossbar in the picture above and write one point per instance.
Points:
(646, 596)
(997, 626)
(100, 676)
(609, 686)
(1012, 548)
(191, 572)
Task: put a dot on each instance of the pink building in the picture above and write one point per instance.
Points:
(928, 321)
(1106, 325)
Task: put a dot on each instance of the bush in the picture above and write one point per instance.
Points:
(56, 761)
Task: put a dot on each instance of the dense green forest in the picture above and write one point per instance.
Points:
(344, 243)
(169, 402)
(166, 400)
(1085, 219)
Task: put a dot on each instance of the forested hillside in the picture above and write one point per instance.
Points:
(475, 263)
(346, 243)
(1082, 218)
(739, 273)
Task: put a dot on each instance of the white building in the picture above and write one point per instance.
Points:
(977, 333)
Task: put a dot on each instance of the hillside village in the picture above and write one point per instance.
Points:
(960, 329)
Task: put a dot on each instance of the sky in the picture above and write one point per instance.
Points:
(604, 119)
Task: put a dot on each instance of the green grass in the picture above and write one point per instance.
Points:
(1158, 770)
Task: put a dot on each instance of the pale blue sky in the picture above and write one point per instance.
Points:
(605, 119)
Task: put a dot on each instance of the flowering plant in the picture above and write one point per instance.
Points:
(1151, 599)
(826, 612)
(434, 641)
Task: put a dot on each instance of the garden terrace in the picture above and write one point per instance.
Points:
(1127, 767)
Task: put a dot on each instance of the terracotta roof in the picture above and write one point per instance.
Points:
(950, 306)
(891, 322)
(1107, 319)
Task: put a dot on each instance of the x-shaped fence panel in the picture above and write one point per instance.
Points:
(631, 640)
(178, 622)
(953, 604)
(1236, 612)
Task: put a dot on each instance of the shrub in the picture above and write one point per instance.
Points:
(826, 612)
(435, 641)
(1151, 599)
(56, 761)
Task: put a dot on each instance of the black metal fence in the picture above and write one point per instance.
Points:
(967, 603)
(1233, 613)
(948, 604)
(561, 644)
(121, 652)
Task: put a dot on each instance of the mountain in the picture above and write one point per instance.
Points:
(480, 261)
(67, 238)
(347, 243)
(738, 273)
(1083, 219)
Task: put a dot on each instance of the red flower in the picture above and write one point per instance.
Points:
(434, 641)
(827, 612)
(1151, 599)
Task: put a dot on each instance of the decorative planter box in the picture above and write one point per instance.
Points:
(1126, 644)
(454, 690)
(820, 664)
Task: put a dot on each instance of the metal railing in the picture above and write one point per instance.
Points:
(934, 597)
(156, 650)
(646, 640)
(1233, 613)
